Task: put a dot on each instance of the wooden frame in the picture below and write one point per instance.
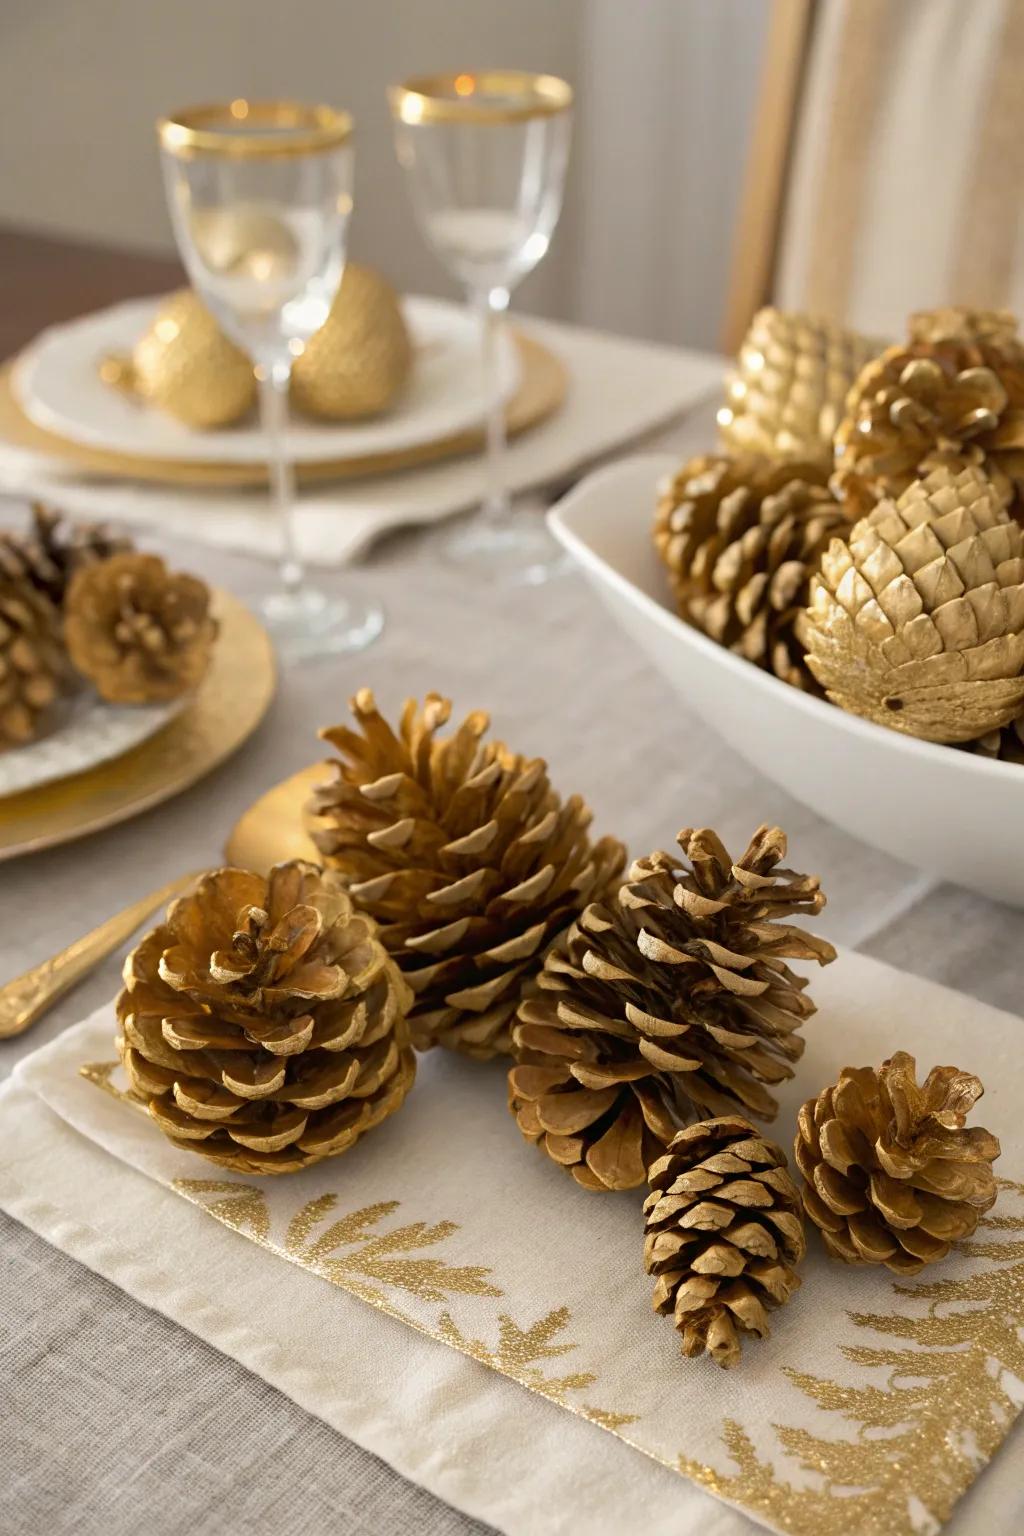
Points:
(764, 181)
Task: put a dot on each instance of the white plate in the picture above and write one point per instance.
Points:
(946, 811)
(89, 733)
(58, 387)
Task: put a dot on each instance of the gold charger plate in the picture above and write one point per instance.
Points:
(542, 390)
(228, 706)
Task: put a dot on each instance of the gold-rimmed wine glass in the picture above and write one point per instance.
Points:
(485, 155)
(260, 195)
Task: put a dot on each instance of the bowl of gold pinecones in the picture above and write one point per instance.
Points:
(838, 587)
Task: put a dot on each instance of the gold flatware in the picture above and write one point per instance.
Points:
(270, 831)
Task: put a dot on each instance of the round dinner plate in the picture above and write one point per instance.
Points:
(89, 732)
(57, 385)
(223, 712)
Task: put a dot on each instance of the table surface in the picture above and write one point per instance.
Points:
(112, 1419)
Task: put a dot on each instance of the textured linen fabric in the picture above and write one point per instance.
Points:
(561, 681)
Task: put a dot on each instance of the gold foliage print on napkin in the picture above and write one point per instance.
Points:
(375, 1258)
(952, 1388)
(518, 1352)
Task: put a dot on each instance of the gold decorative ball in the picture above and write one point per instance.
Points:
(358, 361)
(185, 365)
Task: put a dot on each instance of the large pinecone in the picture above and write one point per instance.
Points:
(893, 1177)
(465, 855)
(50, 552)
(724, 1232)
(263, 1022)
(33, 665)
(139, 632)
(916, 621)
(787, 395)
(740, 538)
(669, 1001)
(952, 394)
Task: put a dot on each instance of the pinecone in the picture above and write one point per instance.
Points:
(33, 665)
(916, 621)
(139, 632)
(740, 538)
(667, 1001)
(50, 553)
(953, 394)
(787, 395)
(893, 1177)
(263, 1022)
(465, 855)
(724, 1232)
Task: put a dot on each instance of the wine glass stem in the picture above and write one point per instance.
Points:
(491, 305)
(274, 382)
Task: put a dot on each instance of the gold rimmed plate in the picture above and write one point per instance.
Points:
(228, 706)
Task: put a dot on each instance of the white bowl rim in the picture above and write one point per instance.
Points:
(934, 752)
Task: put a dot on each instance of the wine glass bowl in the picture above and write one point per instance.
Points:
(486, 155)
(260, 195)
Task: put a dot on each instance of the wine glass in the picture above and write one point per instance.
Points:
(260, 195)
(486, 156)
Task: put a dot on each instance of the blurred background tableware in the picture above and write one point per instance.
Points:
(224, 711)
(486, 155)
(260, 195)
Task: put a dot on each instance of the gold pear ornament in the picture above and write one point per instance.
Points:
(185, 365)
(358, 361)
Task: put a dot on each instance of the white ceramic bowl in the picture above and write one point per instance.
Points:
(946, 811)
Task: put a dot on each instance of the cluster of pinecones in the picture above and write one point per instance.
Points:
(79, 603)
(861, 529)
(649, 1016)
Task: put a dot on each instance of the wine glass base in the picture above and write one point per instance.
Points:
(515, 547)
(307, 624)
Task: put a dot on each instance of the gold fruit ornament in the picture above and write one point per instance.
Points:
(358, 361)
(916, 618)
(186, 366)
(262, 1022)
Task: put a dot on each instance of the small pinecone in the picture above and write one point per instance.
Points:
(893, 1177)
(466, 857)
(139, 632)
(724, 1231)
(263, 1023)
(916, 621)
(50, 553)
(953, 394)
(787, 395)
(740, 538)
(33, 664)
(668, 1000)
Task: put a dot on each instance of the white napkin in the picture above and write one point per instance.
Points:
(619, 390)
(443, 1244)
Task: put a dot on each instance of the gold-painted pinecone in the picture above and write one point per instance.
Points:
(724, 1232)
(465, 855)
(916, 621)
(33, 664)
(669, 1000)
(50, 552)
(740, 538)
(953, 394)
(185, 365)
(139, 632)
(893, 1176)
(358, 361)
(787, 395)
(263, 1023)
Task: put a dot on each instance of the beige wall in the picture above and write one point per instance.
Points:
(658, 142)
